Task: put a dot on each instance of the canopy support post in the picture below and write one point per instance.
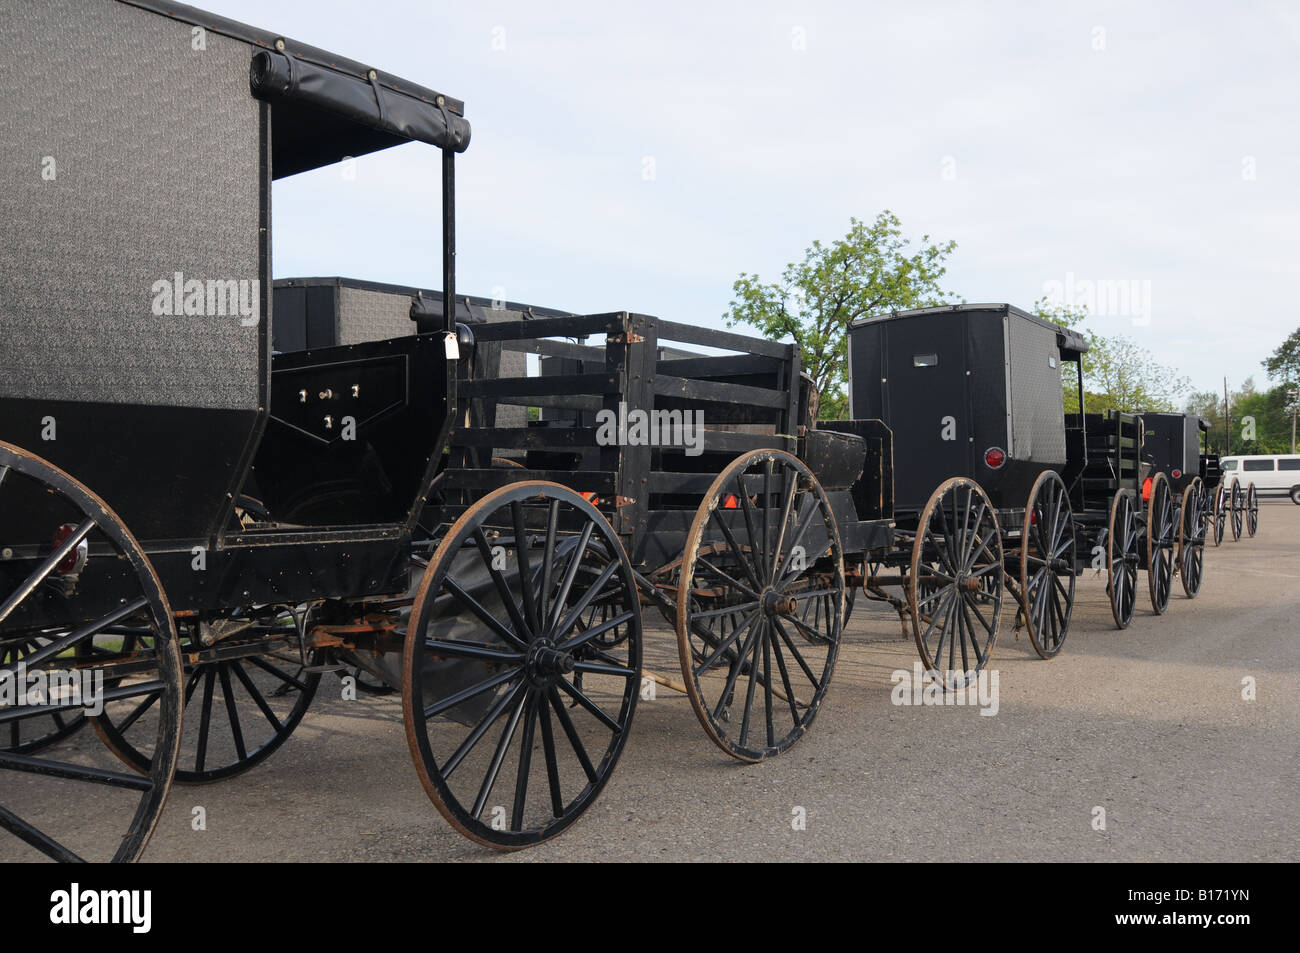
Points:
(448, 239)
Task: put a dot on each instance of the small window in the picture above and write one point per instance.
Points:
(1256, 466)
(1229, 464)
(1051, 362)
(1293, 463)
(925, 360)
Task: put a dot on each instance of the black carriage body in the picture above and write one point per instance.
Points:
(1173, 445)
(953, 383)
(136, 301)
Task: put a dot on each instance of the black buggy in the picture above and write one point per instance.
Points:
(194, 525)
(1178, 446)
(976, 391)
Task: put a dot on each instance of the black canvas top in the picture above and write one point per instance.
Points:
(329, 107)
(1070, 342)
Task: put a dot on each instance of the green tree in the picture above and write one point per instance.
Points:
(870, 270)
(1261, 420)
(1283, 365)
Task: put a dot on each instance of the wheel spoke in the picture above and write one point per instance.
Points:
(40, 840)
(487, 618)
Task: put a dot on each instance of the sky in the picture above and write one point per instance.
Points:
(1144, 156)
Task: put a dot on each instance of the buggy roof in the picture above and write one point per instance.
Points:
(1203, 422)
(328, 107)
(1072, 344)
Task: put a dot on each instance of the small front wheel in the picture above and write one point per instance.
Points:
(517, 702)
(956, 581)
(760, 605)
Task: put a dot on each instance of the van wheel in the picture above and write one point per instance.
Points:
(1295, 495)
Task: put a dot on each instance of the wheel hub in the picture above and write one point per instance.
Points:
(545, 661)
(778, 603)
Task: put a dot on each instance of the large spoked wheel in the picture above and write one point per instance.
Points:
(1047, 562)
(759, 620)
(1191, 539)
(956, 582)
(1237, 506)
(243, 699)
(1252, 510)
(1122, 558)
(44, 798)
(1161, 540)
(1219, 516)
(516, 711)
(29, 735)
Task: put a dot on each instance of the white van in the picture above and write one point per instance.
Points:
(1273, 475)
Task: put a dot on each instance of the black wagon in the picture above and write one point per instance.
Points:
(974, 396)
(203, 510)
(1178, 446)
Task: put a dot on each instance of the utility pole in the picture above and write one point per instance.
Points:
(1227, 421)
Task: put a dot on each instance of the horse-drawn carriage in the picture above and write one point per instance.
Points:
(204, 510)
(977, 391)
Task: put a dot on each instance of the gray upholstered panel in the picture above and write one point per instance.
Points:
(155, 146)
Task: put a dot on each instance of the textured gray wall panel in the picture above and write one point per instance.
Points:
(156, 152)
(1037, 398)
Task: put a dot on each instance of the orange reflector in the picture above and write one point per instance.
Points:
(591, 498)
(730, 503)
(1146, 488)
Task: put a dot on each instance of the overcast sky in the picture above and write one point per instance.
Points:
(640, 157)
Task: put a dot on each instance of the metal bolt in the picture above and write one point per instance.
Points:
(302, 397)
(279, 45)
(7, 553)
(372, 75)
(356, 390)
(442, 100)
(327, 394)
(329, 422)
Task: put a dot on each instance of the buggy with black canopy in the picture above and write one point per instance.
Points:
(976, 390)
(202, 510)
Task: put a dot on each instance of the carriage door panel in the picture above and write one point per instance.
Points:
(925, 396)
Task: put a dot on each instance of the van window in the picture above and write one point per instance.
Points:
(1291, 464)
(1229, 464)
(1256, 466)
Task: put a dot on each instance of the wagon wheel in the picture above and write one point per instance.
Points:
(238, 710)
(756, 687)
(1122, 558)
(1237, 507)
(1219, 516)
(44, 789)
(1252, 510)
(955, 585)
(29, 735)
(1161, 538)
(508, 653)
(1047, 552)
(1191, 538)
